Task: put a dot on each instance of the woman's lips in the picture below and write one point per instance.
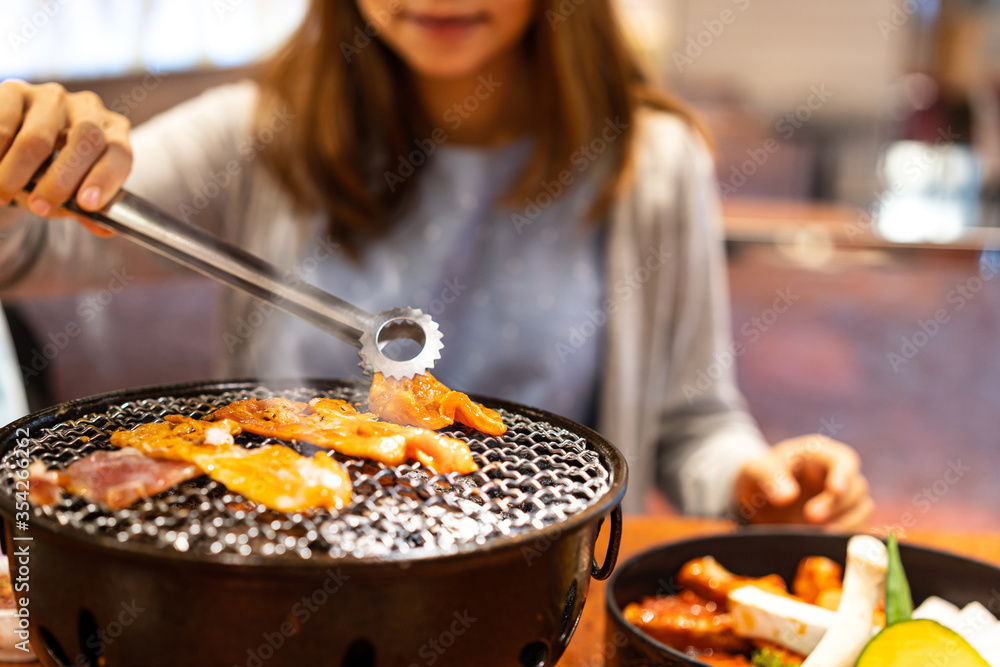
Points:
(448, 27)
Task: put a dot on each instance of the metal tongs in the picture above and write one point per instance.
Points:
(152, 228)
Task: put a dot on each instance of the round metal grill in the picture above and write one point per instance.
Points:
(535, 475)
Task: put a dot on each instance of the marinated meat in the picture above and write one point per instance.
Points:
(819, 581)
(279, 477)
(706, 577)
(275, 476)
(815, 576)
(336, 425)
(725, 660)
(116, 478)
(178, 438)
(686, 621)
(424, 401)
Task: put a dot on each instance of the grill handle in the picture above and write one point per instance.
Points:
(602, 572)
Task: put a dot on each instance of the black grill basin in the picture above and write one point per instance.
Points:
(418, 569)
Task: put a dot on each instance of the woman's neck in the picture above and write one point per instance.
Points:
(487, 108)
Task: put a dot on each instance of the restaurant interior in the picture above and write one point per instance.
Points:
(857, 148)
(857, 152)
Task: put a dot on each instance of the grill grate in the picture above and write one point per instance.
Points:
(535, 475)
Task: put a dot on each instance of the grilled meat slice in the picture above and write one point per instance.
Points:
(336, 425)
(686, 621)
(276, 476)
(424, 401)
(115, 478)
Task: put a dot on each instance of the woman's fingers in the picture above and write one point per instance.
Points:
(94, 153)
(108, 174)
(855, 519)
(812, 478)
(44, 120)
(95, 160)
(11, 113)
(84, 145)
(843, 484)
(111, 166)
(826, 507)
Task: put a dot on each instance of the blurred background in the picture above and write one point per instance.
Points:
(858, 156)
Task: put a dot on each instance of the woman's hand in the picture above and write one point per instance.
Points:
(93, 143)
(811, 479)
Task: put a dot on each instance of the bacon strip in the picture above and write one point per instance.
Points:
(117, 479)
(276, 476)
(424, 401)
(335, 424)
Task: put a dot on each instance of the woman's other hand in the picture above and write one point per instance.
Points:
(811, 479)
(94, 152)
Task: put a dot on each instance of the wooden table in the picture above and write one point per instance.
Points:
(641, 533)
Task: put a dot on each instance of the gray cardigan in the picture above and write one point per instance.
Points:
(668, 399)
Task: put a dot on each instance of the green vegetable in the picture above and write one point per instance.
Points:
(898, 601)
(905, 642)
(766, 657)
(919, 642)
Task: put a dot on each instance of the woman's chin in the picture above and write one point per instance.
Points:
(447, 67)
(446, 71)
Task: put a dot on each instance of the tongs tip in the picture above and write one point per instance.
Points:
(401, 343)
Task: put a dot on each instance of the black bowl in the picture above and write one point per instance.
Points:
(757, 553)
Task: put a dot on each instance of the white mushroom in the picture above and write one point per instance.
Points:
(864, 583)
(796, 625)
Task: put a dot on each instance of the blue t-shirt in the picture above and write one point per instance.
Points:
(510, 286)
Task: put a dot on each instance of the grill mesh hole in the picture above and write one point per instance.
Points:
(52, 646)
(534, 654)
(359, 654)
(91, 646)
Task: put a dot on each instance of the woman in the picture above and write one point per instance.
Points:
(502, 163)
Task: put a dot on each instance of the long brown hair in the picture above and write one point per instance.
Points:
(356, 110)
